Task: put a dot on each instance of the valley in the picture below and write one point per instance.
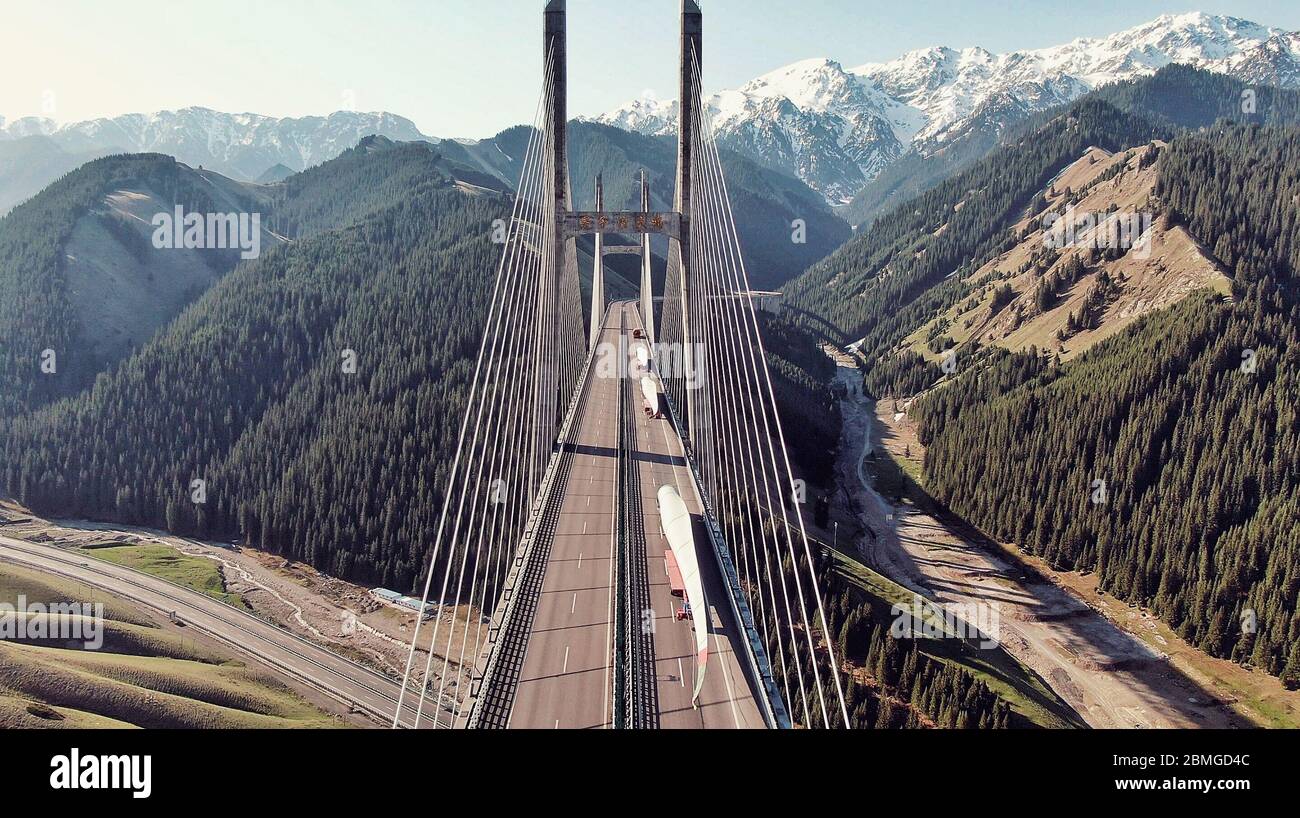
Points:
(361, 642)
(1112, 663)
(336, 613)
(1049, 372)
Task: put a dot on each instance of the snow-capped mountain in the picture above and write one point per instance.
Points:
(242, 146)
(836, 128)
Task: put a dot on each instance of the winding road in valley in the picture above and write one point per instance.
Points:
(1108, 676)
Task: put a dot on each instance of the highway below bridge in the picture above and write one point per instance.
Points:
(360, 687)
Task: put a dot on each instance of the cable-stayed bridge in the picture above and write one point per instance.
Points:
(622, 544)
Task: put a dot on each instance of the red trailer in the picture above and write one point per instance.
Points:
(676, 585)
(675, 582)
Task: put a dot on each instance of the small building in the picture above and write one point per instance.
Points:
(396, 600)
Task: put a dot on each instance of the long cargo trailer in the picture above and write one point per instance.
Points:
(679, 530)
(656, 405)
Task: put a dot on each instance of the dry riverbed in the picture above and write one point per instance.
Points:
(1117, 665)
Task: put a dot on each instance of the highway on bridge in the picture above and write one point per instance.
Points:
(567, 676)
(318, 666)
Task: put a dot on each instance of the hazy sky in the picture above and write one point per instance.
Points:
(470, 67)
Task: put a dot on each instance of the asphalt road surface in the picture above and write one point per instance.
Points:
(352, 683)
(727, 700)
(567, 678)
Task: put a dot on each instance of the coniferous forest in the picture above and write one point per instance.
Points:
(1166, 459)
(389, 263)
(247, 389)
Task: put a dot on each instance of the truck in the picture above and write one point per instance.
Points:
(655, 404)
(676, 586)
(679, 529)
(643, 362)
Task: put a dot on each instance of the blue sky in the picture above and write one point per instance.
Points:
(469, 67)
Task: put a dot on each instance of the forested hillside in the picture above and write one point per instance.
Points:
(1166, 459)
(36, 308)
(891, 683)
(888, 682)
(27, 166)
(766, 202)
(364, 180)
(247, 391)
(882, 284)
(916, 260)
(801, 378)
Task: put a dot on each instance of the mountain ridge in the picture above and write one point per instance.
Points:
(243, 146)
(838, 128)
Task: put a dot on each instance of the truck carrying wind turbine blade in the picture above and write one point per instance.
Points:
(680, 532)
(655, 405)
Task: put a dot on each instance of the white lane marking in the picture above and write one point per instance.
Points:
(566, 659)
(579, 560)
(609, 609)
(681, 672)
(574, 606)
(557, 724)
(584, 526)
(726, 675)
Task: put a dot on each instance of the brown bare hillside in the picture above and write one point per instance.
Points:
(1069, 282)
(123, 289)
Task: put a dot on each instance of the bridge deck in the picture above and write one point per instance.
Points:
(567, 678)
(727, 700)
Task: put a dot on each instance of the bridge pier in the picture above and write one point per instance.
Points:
(578, 611)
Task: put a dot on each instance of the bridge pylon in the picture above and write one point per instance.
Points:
(564, 442)
(598, 271)
(679, 248)
(647, 268)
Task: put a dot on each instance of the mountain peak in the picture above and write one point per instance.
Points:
(241, 145)
(812, 115)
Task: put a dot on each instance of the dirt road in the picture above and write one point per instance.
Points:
(1108, 676)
